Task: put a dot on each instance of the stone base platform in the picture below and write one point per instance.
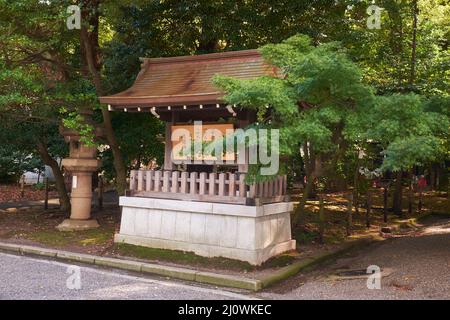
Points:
(247, 233)
(77, 225)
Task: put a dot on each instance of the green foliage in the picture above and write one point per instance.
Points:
(411, 134)
(139, 137)
(405, 153)
(320, 99)
(321, 102)
(39, 186)
(77, 122)
(319, 90)
(26, 118)
(385, 54)
(34, 47)
(13, 162)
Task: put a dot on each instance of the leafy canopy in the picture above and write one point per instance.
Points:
(317, 89)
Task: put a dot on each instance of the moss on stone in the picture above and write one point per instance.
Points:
(180, 257)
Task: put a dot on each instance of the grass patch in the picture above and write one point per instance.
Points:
(280, 261)
(303, 236)
(191, 259)
(335, 236)
(180, 257)
(56, 238)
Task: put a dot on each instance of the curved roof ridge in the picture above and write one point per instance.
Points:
(203, 57)
(185, 80)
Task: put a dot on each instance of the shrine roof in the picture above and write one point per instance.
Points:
(187, 80)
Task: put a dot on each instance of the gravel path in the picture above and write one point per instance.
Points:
(420, 265)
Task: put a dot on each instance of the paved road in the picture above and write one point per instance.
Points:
(31, 278)
(419, 267)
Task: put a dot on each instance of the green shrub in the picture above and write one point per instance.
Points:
(39, 186)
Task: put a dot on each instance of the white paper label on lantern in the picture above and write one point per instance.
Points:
(74, 182)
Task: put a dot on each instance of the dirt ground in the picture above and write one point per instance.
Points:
(414, 265)
(37, 227)
(12, 193)
(336, 213)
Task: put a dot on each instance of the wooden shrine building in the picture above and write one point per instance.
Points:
(208, 209)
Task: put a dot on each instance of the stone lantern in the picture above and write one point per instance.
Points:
(81, 163)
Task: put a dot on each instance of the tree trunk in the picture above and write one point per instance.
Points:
(321, 219)
(64, 200)
(419, 207)
(119, 165)
(138, 162)
(356, 186)
(432, 176)
(410, 193)
(368, 207)
(438, 176)
(349, 220)
(412, 75)
(397, 200)
(309, 160)
(396, 35)
(385, 204)
(301, 206)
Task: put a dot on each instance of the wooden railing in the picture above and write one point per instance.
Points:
(202, 186)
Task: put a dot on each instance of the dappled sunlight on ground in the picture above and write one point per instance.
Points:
(335, 211)
(438, 230)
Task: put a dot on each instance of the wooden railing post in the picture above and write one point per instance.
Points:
(252, 191)
(263, 189)
(260, 189)
(184, 182)
(242, 186)
(132, 180)
(157, 181)
(202, 183)
(271, 187)
(175, 176)
(212, 184)
(232, 184)
(193, 183)
(140, 182)
(221, 184)
(149, 180)
(166, 181)
(280, 186)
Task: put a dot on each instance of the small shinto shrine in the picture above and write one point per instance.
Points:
(205, 208)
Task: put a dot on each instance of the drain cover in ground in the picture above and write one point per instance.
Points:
(357, 274)
(352, 273)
